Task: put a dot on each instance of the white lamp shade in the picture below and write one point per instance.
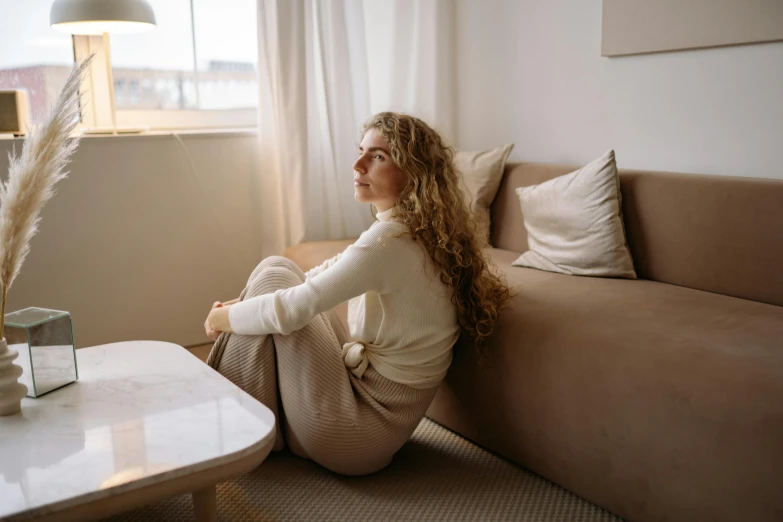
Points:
(102, 16)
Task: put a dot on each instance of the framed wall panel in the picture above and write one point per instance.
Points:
(649, 26)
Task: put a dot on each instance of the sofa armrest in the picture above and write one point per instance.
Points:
(310, 254)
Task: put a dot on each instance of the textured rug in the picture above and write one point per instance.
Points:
(436, 476)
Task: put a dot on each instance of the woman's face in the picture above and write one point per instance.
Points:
(377, 179)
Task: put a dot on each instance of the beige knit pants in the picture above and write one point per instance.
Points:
(348, 425)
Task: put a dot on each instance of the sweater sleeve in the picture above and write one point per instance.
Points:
(377, 262)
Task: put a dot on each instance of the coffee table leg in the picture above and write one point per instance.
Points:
(205, 505)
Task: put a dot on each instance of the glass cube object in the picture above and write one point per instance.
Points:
(44, 340)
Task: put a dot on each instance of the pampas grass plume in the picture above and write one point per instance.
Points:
(32, 176)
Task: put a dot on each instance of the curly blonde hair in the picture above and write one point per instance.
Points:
(433, 208)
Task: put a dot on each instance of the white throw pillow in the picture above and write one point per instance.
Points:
(574, 223)
(482, 172)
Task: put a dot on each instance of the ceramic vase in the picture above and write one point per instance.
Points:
(11, 390)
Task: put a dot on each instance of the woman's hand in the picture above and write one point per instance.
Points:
(217, 321)
(212, 334)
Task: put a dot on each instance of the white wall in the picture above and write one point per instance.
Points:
(530, 71)
(136, 246)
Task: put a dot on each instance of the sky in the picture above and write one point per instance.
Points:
(225, 30)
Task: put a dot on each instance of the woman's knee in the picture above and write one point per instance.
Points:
(274, 261)
(272, 278)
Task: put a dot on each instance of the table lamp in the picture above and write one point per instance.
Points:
(101, 17)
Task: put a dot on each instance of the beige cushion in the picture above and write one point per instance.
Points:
(482, 172)
(574, 223)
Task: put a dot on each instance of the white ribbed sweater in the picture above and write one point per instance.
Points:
(400, 314)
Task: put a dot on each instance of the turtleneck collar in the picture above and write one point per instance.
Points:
(386, 215)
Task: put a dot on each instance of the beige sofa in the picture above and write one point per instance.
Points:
(656, 399)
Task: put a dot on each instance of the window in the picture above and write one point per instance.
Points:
(175, 77)
(227, 50)
(33, 56)
(163, 55)
(197, 69)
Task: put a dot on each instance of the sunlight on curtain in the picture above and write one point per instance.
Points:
(325, 68)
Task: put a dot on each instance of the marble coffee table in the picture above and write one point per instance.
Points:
(145, 421)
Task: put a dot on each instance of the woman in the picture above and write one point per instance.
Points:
(415, 279)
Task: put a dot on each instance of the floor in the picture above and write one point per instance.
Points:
(437, 476)
(201, 351)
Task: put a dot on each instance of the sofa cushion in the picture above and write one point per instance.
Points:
(721, 234)
(481, 173)
(312, 253)
(644, 398)
(574, 223)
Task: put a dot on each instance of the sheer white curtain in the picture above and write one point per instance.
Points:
(411, 55)
(324, 68)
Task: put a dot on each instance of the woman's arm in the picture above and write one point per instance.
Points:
(376, 262)
(228, 303)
